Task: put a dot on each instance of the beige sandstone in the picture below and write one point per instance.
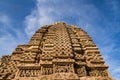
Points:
(55, 52)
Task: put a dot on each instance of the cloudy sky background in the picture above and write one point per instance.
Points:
(19, 19)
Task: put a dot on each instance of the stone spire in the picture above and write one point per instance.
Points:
(55, 52)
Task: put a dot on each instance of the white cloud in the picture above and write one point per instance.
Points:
(4, 19)
(8, 43)
(6, 39)
(47, 12)
(41, 15)
(10, 37)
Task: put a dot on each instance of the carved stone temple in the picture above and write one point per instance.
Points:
(55, 52)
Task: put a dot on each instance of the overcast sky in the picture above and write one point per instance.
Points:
(19, 19)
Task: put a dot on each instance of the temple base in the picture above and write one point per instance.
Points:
(62, 76)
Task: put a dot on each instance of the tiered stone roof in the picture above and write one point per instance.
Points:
(55, 52)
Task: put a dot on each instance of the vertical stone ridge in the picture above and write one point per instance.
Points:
(94, 62)
(62, 43)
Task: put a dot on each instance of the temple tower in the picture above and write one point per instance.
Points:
(55, 52)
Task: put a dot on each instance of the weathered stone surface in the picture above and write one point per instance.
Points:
(55, 52)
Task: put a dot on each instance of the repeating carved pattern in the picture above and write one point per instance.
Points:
(62, 42)
(55, 52)
(63, 68)
(98, 73)
(81, 71)
(47, 70)
(7, 68)
(94, 57)
(29, 73)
